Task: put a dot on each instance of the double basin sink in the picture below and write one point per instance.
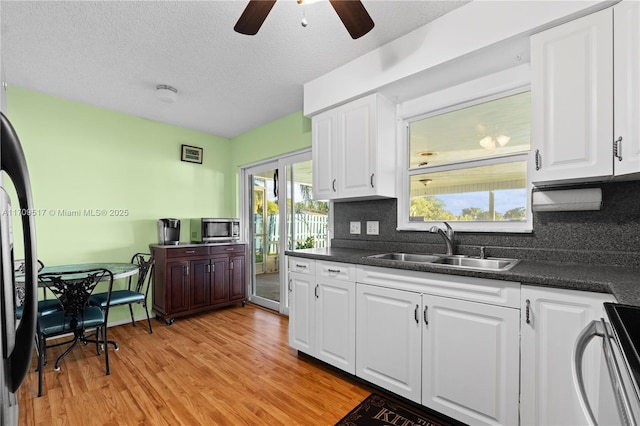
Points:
(453, 261)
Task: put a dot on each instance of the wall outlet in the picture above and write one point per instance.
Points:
(373, 227)
(354, 228)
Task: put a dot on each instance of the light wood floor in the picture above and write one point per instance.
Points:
(228, 367)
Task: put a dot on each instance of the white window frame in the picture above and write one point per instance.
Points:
(494, 86)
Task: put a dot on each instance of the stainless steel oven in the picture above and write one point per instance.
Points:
(619, 400)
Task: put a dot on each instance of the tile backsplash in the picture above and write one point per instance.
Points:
(609, 236)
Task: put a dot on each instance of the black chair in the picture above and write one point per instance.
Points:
(44, 306)
(72, 291)
(136, 291)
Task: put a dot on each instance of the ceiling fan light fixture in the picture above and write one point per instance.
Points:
(487, 142)
(166, 93)
(503, 140)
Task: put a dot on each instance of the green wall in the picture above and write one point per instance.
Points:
(288, 134)
(83, 158)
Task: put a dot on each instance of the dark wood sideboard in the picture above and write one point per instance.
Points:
(196, 278)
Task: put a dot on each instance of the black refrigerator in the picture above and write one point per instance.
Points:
(16, 336)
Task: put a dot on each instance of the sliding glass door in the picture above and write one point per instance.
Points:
(279, 215)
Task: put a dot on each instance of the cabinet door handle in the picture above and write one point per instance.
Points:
(527, 312)
(230, 265)
(209, 268)
(415, 314)
(424, 315)
(189, 251)
(617, 148)
(538, 160)
(290, 289)
(334, 271)
(333, 185)
(185, 269)
(372, 175)
(230, 249)
(316, 291)
(301, 266)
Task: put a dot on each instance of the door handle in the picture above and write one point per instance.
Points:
(538, 160)
(316, 291)
(527, 311)
(424, 315)
(617, 148)
(372, 175)
(289, 286)
(333, 185)
(415, 314)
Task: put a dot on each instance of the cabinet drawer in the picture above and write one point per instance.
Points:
(302, 265)
(232, 248)
(336, 270)
(187, 251)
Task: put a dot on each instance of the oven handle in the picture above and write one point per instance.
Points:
(589, 332)
(619, 389)
(600, 329)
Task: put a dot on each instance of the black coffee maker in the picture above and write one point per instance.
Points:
(169, 231)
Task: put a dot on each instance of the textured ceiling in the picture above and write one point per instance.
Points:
(112, 54)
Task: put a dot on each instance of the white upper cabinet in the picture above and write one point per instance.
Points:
(354, 150)
(575, 68)
(626, 71)
(572, 100)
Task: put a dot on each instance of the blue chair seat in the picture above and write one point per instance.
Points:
(45, 307)
(56, 323)
(49, 306)
(118, 297)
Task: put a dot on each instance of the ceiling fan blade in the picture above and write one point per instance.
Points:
(253, 16)
(354, 16)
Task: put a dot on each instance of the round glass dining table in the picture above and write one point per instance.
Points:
(119, 270)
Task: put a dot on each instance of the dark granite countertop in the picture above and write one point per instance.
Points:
(622, 283)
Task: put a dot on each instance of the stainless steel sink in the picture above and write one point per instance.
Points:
(492, 264)
(408, 257)
(454, 261)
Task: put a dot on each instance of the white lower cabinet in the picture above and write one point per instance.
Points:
(470, 360)
(484, 352)
(388, 334)
(551, 321)
(455, 356)
(301, 311)
(322, 313)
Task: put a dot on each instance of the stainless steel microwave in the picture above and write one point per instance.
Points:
(214, 230)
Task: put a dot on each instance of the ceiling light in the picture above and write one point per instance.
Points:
(503, 140)
(425, 182)
(166, 93)
(487, 143)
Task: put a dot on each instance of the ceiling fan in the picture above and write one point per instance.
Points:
(352, 13)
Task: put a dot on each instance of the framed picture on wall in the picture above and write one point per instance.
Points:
(191, 154)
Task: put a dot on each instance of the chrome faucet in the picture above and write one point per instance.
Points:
(447, 235)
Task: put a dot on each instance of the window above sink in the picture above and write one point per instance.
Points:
(464, 157)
